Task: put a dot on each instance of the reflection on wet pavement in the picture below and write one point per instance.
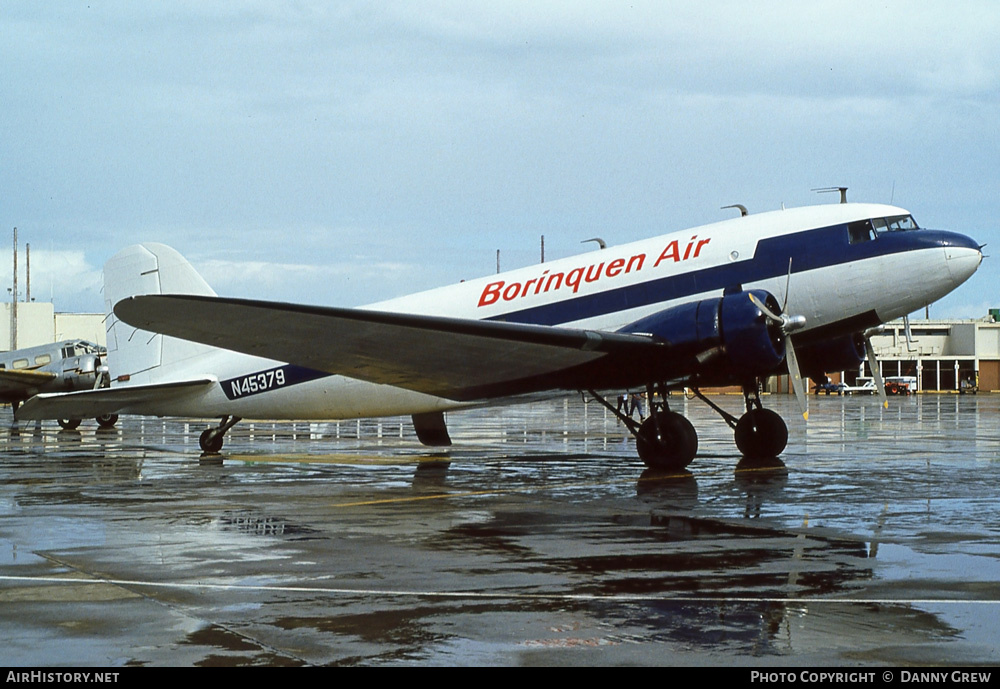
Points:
(537, 538)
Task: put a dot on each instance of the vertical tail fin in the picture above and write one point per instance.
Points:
(137, 356)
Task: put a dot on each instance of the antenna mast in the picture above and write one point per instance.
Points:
(829, 190)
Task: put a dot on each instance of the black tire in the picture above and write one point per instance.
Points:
(673, 448)
(70, 424)
(761, 434)
(211, 440)
(107, 420)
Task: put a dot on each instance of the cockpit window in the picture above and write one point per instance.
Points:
(866, 230)
(896, 223)
(84, 347)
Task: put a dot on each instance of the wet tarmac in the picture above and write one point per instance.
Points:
(537, 539)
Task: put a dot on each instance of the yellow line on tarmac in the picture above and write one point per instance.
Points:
(366, 460)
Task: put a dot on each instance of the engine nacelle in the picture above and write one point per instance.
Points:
(79, 372)
(729, 335)
(839, 354)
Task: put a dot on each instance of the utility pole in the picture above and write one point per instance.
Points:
(13, 298)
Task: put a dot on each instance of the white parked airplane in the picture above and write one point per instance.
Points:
(55, 367)
(715, 305)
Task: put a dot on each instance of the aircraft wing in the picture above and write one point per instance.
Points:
(460, 359)
(120, 400)
(22, 382)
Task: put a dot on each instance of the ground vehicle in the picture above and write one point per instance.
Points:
(829, 387)
(900, 385)
(862, 386)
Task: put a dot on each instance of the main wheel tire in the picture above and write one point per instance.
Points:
(669, 448)
(70, 424)
(211, 440)
(107, 420)
(761, 434)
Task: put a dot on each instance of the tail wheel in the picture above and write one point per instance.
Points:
(211, 440)
(761, 434)
(668, 445)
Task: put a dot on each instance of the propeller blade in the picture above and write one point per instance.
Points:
(795, 375)
(876, 373)
(788, 286)
(788, 323)
(766, 311)
(910, 346)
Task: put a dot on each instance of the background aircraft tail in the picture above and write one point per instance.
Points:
(136, 356)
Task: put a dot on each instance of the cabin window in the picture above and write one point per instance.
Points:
(860, 231)
(19, 363)
(43, 359)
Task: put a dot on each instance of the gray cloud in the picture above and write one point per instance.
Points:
(429, 135)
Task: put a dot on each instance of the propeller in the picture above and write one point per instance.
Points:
(910, 347)
(873, 365)
(788, 325)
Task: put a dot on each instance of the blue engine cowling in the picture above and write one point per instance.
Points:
(728, 335)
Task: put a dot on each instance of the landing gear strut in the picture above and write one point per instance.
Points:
(666, 441)
(211, 439)
(760, 433)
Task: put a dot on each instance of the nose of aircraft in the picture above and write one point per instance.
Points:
(963, 255)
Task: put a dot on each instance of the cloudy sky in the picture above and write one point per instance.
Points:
(345, 152)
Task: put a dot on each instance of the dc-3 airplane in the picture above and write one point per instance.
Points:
(722, 304)
(59, 366)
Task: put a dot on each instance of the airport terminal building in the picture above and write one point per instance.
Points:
(943, 353)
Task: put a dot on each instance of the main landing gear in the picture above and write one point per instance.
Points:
(211, 439)
(760, 433)
(104, 422)
(667, 441)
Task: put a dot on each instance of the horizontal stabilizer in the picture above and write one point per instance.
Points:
(455, 358)
(133, 399)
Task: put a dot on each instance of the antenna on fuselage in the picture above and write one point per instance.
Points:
(600, 242)
(829, 190)
(743, 209)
